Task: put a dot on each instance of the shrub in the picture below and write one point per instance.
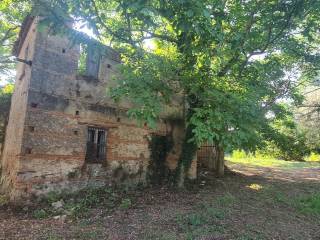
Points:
(78, 204)
(239, 154)
(313, 157)
(40, 214)
(3, 200)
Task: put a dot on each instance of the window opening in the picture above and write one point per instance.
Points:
(96, 145)
(82, 59)
(89, 60)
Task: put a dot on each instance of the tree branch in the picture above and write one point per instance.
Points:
(7, 35)
(112, 33)
(235, 58)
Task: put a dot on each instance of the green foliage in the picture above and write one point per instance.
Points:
(155, 73)
(239, 154)
(261, 156)
(307, 115)
(199, 218)
(201, 223)
(192, 219)
(3, 200)
(12, 13)
(5, 102)
(52, 197)
(52, 236)
(226, 200)
(309, 204)
(125, 203)
(285, 141)
(40, 214)
(313, 157)
(79, 204)
(82, 59)
(282, 139)
(259, 160)
(159, 235)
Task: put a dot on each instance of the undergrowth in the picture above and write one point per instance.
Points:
(309, 204)
(206, 219)
(78, 204)
(3, 200)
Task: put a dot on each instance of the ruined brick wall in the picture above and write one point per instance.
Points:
(52, 109)
(51, 112)
(12, 150)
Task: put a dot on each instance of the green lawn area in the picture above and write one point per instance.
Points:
(272, 162)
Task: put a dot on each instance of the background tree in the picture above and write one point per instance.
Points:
(5, 102)
(12, 13)
(286, 140)
(308, 117)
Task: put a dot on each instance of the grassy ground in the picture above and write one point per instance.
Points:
(272, 162)
(253, 202)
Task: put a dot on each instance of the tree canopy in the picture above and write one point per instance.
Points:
(12, 13)
(308, 114)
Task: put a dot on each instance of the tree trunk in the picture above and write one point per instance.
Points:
(220, 162)
(188, 151)
(181, 176)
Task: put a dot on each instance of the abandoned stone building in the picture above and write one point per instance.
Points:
(64, 131)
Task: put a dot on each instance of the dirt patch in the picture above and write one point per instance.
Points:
(249, 203)
(300, 174)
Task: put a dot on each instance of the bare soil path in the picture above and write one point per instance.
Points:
(304, 173)
(249, 203)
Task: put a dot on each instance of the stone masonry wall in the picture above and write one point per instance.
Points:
(12, 151)
(51, 111)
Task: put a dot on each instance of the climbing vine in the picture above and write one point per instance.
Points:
(189, 149)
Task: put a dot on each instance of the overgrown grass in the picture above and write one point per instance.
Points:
(78, 204)
(261, 160)
(3, 200)
(201, 224)
(309, 204)
(206, 219)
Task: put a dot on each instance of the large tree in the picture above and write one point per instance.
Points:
(234, 61)
(12, 13)
(308, 116)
